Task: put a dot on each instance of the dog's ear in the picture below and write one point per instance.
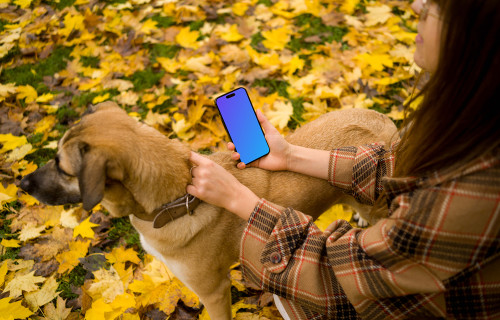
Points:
(92, 176)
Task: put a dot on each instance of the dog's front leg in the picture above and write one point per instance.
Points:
(217, 298)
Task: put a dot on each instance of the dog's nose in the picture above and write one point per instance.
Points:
(25, 184)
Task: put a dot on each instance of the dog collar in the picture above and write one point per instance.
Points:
(173, 210)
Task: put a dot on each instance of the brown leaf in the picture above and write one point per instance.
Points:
(333, 18)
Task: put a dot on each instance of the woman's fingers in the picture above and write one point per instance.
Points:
(198, 159)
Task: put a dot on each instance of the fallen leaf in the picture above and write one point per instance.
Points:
(47, 293)
(30, 231)
(60, 312)
(22, 283)
(84, 229)
(12, 243)
(11, 311)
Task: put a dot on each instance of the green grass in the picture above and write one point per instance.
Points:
(122, 228)
(33, 74)
(273, 86)
(163, 50)
(90, 61)
(74, 279)
(5, 231)
(146, 78)
(163, 22)
(41, 156)
(313, 26)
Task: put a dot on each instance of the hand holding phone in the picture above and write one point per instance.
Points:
(242, 125)
(278, 158)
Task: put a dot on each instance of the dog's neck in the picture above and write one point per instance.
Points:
(160, 173)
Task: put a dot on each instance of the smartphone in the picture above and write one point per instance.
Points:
(242, 125)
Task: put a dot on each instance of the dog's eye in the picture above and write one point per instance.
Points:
(59, 168)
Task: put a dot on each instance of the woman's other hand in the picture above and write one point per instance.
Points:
(215, 185)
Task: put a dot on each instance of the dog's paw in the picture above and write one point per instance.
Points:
(362, 223)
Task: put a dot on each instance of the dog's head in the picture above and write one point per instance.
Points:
(84, 160)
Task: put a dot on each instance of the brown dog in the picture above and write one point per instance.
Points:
(132, 169)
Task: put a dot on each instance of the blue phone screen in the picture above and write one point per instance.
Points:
(242, 125)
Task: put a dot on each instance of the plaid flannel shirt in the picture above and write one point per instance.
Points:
(435, 256)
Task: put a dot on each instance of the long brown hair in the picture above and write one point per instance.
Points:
(459, 117)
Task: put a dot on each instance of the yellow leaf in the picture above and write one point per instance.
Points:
(281, 113)
(170, 65)
(44, 98)
(187, 38)
(7, 194)
(396, 114)
(84, 229)
(23, 167)
(348, 6)
(376, 61)
(11, 311)
(10, 142)
(7, 89)
(45, 124)
(23, 3)
(3, 272)
(189, 298)
(148, 26)
(107, 285)
(120, 305)
(295, 64)
(120, 254)
(240, 305)
(181, 129)
(232, 34)
(28, 200)
(72, 22)
(98, 310)
(198, 64)
(27, 92)
(22, 283)
(12, 243)
(30, 232)
(99, 99)
(277, 38)
(314, 110)
(4, 50)
(43, 296)
(377, 14)
(19, 153)
(336, 212)
(325, 92)
(158, 272)
(236, 280)
(69, 219)
(239, 8)
(69, 259)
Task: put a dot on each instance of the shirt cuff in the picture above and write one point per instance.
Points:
(272, 235)
(340, 168)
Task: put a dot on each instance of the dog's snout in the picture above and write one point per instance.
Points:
(26, 184)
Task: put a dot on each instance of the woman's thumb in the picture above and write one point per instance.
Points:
(266, 125)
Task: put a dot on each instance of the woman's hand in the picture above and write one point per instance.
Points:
(215, 185)
(279, 154)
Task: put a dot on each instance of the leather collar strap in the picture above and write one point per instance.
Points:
(174, 210)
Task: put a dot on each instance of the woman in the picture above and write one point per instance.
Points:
(437, 254)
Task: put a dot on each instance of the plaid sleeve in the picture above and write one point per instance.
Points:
(359, 170)
(436, 256)
(283, 252)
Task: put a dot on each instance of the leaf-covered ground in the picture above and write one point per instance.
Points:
(164, 61)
